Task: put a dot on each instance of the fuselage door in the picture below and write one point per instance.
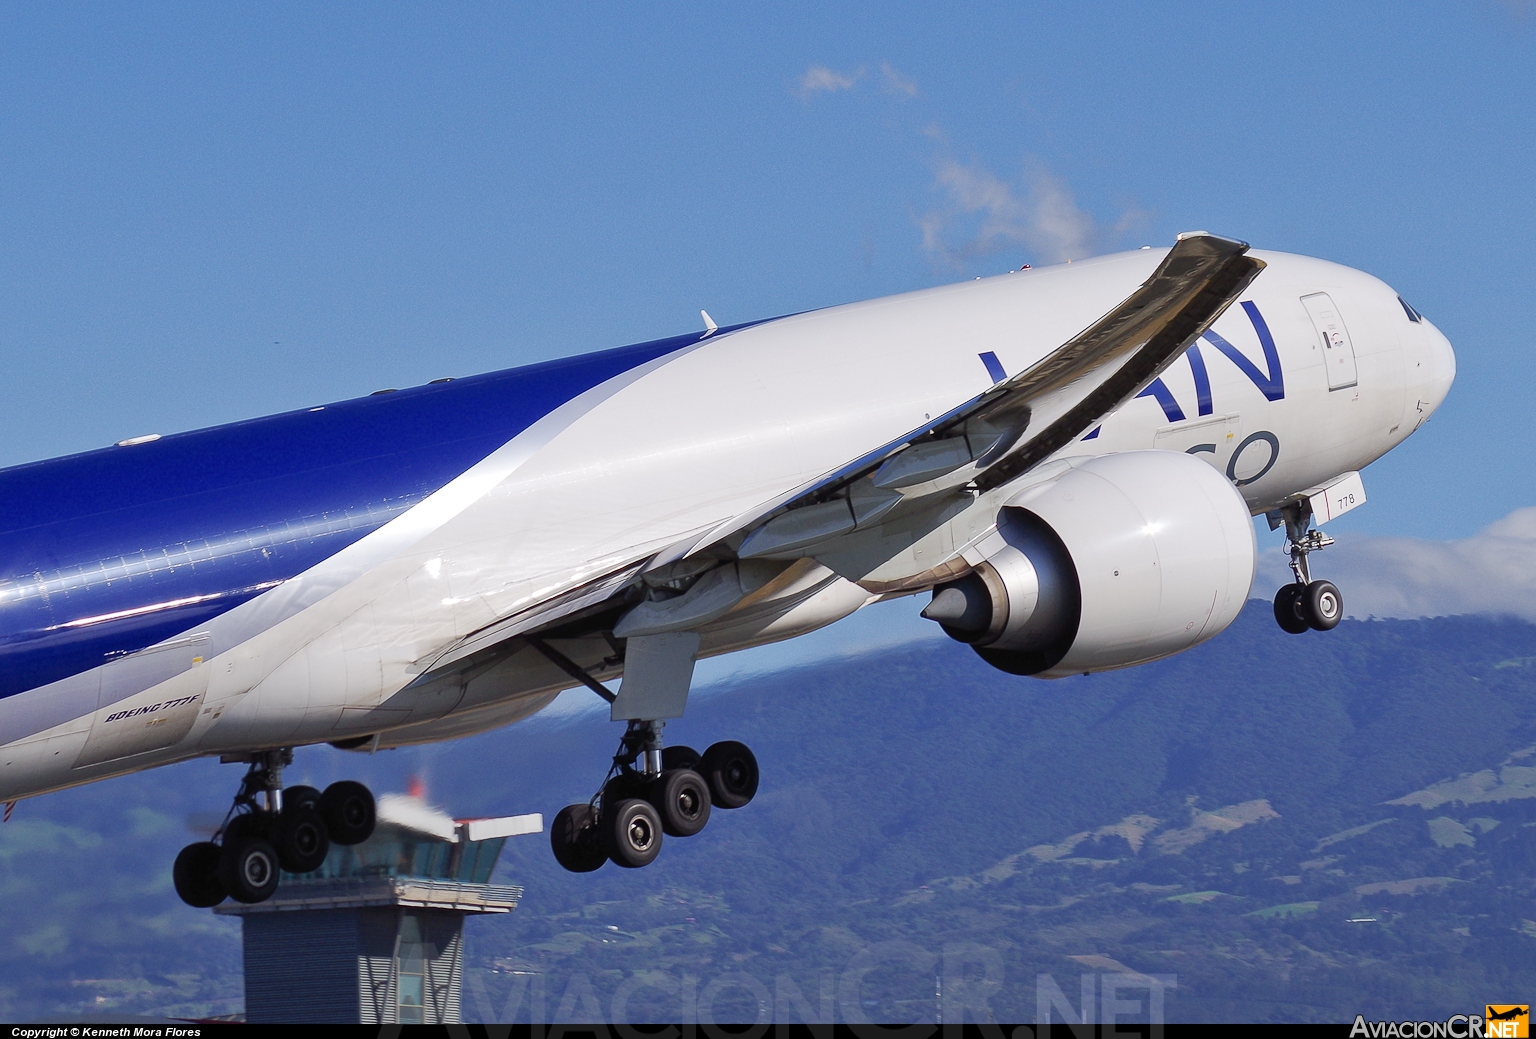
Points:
(1338, 351)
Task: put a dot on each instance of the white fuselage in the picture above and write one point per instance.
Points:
(691, 440)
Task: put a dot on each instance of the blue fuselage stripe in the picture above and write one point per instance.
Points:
(110, 551)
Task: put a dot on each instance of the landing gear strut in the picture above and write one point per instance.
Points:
(269, 830)
(1305, 604)
(651, 791)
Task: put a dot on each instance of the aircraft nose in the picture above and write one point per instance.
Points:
(1431, 368)
(1437, 367)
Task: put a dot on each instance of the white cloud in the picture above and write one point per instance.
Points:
(1492, 572)
(819, 79)
(893, 82)
(986, 214)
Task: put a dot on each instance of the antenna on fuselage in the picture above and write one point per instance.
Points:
(710, 328)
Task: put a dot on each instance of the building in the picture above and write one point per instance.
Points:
(376, 934)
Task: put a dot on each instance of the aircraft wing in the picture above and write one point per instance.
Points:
(581, 599)
(982, 444)
(1017, 423)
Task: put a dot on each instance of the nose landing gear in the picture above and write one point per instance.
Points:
(651, 791)
(1317, 606)
(269, 830)
(1305, 604)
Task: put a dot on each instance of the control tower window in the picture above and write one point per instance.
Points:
(411, 1001)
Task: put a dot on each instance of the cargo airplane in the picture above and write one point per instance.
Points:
(1066, 459)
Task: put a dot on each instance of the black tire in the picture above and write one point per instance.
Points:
(1288, 609)
(348, 810)
(1322, 605)
(730, 768)
(196, 875)
(633, 832)
(681, 797)
(679, 757)
(301, 838)
(300, 795)
(249, 824)
(622, 787)
(249, 870)
(574, 839)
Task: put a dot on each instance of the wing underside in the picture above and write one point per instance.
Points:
(928, 474)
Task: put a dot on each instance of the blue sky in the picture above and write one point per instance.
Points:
(211, 212)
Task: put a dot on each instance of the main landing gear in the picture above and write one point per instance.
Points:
(651, 791)
(269, 830)
(1305, 604)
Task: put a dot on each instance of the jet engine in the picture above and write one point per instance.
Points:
(1125, 558)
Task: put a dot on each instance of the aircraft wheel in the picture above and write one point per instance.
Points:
(348, 810)
(249, 869)
(196, 875)
(297, 795)
(681, 797)
(300, 837)
(250, 824)
(730, 768)
(1288, 609)
(1322, 605)
(679, 757)
(573, 838)
(633, 830)
(622, 787)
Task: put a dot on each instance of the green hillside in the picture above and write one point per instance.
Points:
(1295, 828)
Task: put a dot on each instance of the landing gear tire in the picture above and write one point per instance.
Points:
(252, 824)
(574, 839)
(624, 786)
(249, 869)
(1322, 606)
(730, 768)
(633, 830)
(300, 837)
(679, 757)
(297, 795)
(1288, 609)
(196, 875)
(681, 797)
(348, 810)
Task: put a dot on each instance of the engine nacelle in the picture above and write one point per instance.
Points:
(1124, 559)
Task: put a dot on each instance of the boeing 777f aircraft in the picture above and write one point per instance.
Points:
(1068, 460)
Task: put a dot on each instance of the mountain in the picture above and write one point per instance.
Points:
(1292, 828)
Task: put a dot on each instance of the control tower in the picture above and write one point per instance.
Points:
(376, 934)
